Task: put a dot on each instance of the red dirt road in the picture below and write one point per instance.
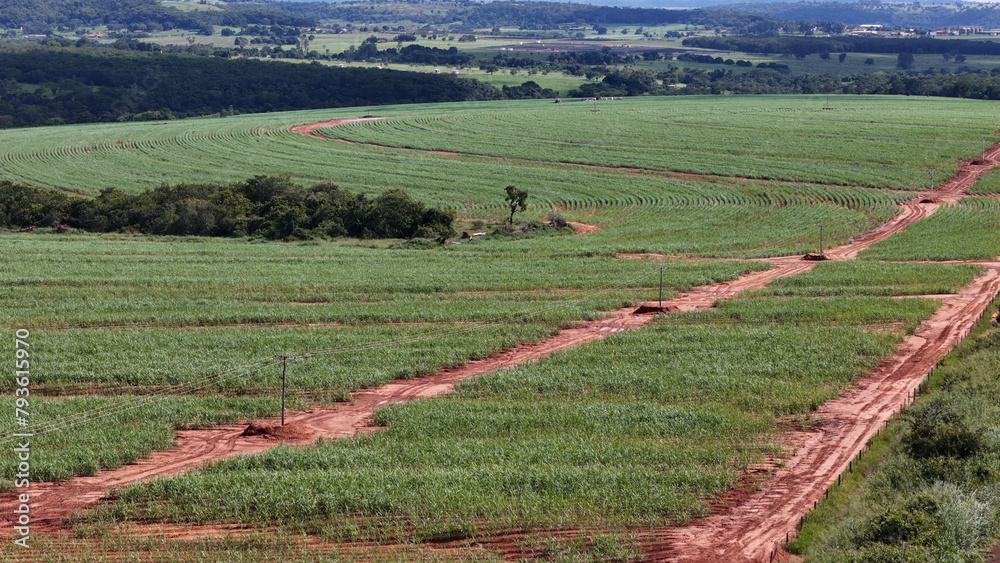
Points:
(53, 502)
(753, 529)
(309, 129)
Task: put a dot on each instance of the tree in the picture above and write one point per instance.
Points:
(842, 57)
(904, 60)
(517, 200)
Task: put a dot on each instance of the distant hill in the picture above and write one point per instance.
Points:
(42, 16)
(875, 12)
(502, 13)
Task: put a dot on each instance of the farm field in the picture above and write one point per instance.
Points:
(911, 468)
(603, 434)
(965, 230)
(638, 431)
(740, 152)
(988, 184)
(853, 279)
(698, 134)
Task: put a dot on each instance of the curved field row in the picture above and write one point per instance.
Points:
(694, 134)
(778, 138)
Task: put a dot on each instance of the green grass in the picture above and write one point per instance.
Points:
(988, 183)
(808, 310)
(709, 136)
(874, 279)
(943, 506)
(967, 230)
(105, 360)
(637, 429)
(856, 144)
(82, 281)
(103, 543)
(93, 433)
(641, 212)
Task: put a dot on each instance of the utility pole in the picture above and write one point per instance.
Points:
(930, 171)
(661, 287)
(284, 369)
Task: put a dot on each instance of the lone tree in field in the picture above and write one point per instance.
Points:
(517, 200)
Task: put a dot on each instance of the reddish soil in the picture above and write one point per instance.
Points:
(583, 228)
(309, 129)
(291, 432)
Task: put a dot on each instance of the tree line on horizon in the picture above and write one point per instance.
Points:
(53, 85)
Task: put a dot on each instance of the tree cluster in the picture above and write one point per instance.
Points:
(764, 80)
(44, 16)
(901, 14)
(803, 46)
(54, 85)
(466, 15)
(264, 206)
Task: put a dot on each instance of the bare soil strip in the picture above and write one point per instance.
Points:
(583, 228)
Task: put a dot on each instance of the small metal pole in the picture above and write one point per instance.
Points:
(984, 147)
(821, 238)
(284, 371)
(661, 288)
(931, 173)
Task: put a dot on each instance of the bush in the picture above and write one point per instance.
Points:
(937, 430)
(915, 522)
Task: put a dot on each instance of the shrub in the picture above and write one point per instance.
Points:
(937, 430)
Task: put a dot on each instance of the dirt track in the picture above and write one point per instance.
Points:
(52, 502)
(748, 531)
(754, 528)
